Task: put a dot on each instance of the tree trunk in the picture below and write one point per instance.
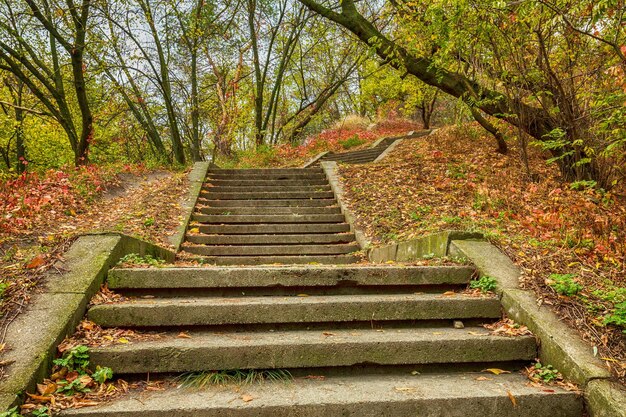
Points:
(502, 146)
(535, 122)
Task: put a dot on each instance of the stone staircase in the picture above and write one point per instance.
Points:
(267, 216)
(364, 156)
(358, 340)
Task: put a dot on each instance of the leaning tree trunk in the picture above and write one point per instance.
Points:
(535, 122)
(502, 146)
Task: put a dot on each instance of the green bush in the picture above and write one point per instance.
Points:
(565, 284)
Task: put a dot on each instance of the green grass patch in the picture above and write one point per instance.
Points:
(234, 377)
(136, 259)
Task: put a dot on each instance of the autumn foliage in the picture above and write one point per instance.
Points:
(32, 199)
(569, 240)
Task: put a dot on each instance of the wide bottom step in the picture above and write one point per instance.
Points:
(450, 395)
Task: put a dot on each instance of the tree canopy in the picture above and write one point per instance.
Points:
(176, 80)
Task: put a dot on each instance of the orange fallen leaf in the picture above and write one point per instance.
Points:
(46, 389)
(483, 378)
(183, 335)
(512, 398)
(41, 398)
(36, 262)
(449, 293)
(247, 398)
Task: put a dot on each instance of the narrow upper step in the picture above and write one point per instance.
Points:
(281, 259)
(204, 351)
(264, 182)
(239, 211)
(271, 239)
(265, 171)
(243, 175)
(306, 309)
(327, 202)
(274, 195)
(272, 250)
(428, 395)
(280, 228)
(268, 218)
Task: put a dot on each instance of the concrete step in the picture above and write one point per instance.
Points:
(354, 160)
(292, 276)
(267, 183)
(265, 188)
(393, 395)
(270, 210)
(272, 250)
(367, 152)
(286, 229)
(265, 171)
(206, 351)
(281, 259)
(262, 310)
(268, 195)
(270, 239)
(327, 202)
(304, 175)
(268, 218)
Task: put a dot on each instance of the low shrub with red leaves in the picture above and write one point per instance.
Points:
(32, 198)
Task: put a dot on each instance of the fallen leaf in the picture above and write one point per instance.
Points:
(484, 378)
(41, 398)
(86, 380)
(247, 398)
(183, 335)
(512, 398)
(46, 389)
(328, 334)
(36, 262)
(449, 293)
(496, 371)
(317, 377)
(303, 295)
(59, 375)
(123, 340)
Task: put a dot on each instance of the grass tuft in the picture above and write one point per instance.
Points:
(234, 377)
